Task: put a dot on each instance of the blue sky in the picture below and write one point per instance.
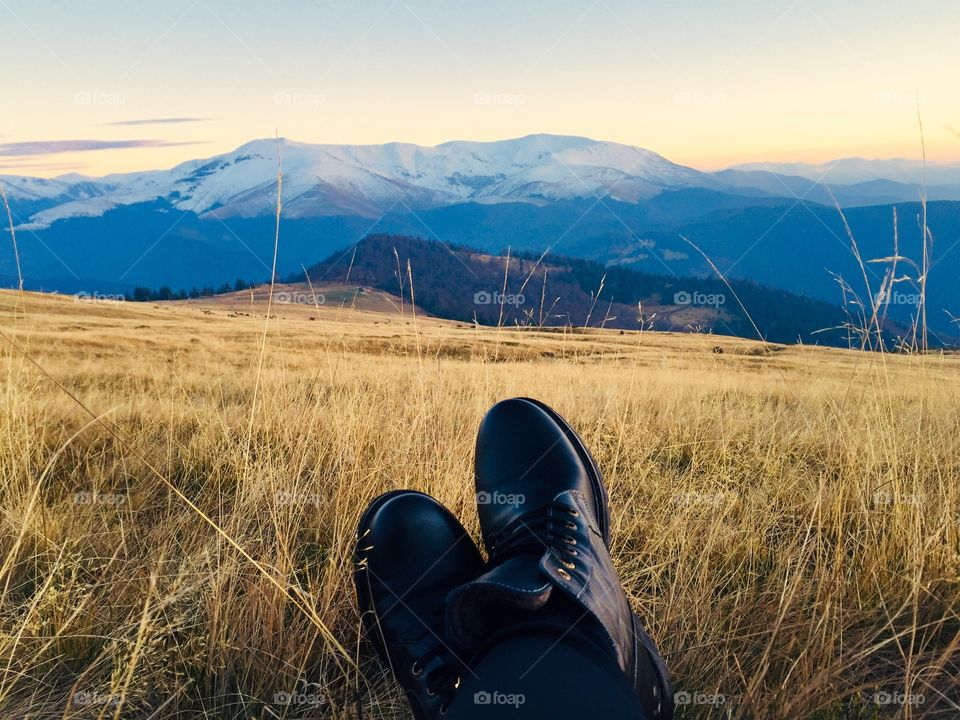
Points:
(108, 86)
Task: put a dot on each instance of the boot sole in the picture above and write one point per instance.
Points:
(601, 500)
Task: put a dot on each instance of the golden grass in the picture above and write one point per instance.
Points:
(786, 519)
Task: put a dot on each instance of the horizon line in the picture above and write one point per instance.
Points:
(5, 169)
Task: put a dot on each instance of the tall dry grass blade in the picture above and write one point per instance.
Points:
(593, 301)
(503, 291)
(868, 329)
(729, 287)
(413, 310)
(896, 259)
(922, 311)
(543, 299)
(273, 282)
(13, 239)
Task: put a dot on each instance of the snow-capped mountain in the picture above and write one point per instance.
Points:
(368, 180)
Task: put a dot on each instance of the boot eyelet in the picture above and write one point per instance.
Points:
(571, 552)
(569, 540)
(563, 573)
(570, 526)
(431, 693)
(416, 671)
(568, 565)
(574, 513)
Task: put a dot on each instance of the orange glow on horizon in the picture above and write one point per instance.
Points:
(944, 148)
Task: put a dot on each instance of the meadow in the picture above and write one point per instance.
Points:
(180, 484)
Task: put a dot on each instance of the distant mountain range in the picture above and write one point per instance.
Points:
(852, 171)
(368, 180)
(208, 221)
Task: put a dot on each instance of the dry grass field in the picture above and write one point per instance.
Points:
(785, 518)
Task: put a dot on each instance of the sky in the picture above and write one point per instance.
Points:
(109, 86)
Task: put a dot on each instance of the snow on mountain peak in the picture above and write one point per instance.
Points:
(325, 179)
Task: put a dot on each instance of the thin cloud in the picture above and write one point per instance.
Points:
(70, 167)
(54, 147)
(158, 121)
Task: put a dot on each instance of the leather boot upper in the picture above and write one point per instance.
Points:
(411, 552)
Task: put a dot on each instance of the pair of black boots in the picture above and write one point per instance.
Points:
(433, 608)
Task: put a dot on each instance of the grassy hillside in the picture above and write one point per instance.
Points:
(785, 518)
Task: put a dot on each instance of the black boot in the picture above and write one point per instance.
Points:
(411, 552)
(545, 521)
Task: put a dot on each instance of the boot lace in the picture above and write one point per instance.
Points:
(443, 679)
(547, 528)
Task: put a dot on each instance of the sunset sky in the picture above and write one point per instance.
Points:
(110, 86)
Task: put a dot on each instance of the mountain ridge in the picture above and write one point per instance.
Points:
(324, 180)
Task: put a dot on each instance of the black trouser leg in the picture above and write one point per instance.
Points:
(540, 674)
